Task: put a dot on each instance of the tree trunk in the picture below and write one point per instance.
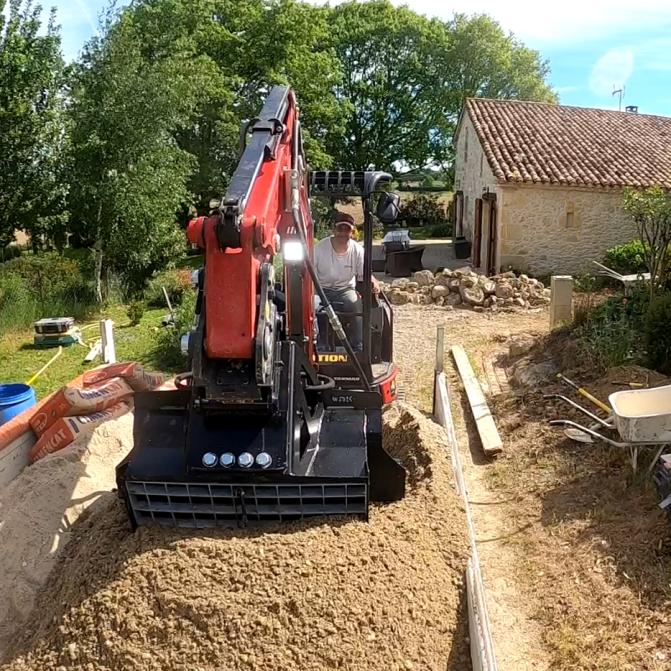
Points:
(98, 257)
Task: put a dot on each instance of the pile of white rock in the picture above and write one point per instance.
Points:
(466, 289)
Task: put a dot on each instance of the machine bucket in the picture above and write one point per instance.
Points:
(333, 464)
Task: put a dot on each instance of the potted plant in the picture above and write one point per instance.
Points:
(462, 247)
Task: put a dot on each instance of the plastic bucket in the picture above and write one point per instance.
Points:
(14, 399)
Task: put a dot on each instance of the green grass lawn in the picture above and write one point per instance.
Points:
(19, 360)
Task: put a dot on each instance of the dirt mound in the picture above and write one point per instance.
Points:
(38, 509)
(311, 596)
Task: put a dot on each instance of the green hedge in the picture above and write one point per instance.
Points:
(176, 282)
(33, 286)
(658, 334)
(611, 334)
(626, 259)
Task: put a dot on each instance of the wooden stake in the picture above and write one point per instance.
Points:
(440, 349)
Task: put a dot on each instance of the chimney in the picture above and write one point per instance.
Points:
(632, 109)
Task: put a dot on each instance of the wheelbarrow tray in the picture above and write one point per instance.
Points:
(643, 415)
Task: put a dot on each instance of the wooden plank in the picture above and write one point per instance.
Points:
(489, 435)
(95, 351)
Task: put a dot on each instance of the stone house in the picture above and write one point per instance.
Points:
(538, 187)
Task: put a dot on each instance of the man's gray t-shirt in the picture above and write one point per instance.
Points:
(338, 271)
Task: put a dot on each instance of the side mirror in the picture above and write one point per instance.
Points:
(388, 207)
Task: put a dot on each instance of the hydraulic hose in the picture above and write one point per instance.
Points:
(335, 322)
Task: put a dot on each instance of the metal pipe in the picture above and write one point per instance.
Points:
(367, 272)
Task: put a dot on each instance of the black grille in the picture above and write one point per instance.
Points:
(211, 505)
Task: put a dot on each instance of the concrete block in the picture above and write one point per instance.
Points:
(561, 300)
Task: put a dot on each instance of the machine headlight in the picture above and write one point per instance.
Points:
(293, 251)
(210, 459)
(227, 459)
(245, 460)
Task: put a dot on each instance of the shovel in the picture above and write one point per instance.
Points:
(577, 434)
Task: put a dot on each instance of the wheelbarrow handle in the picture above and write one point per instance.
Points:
(577, 406)
(594, 434)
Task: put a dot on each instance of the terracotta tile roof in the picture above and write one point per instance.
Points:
(575, 146)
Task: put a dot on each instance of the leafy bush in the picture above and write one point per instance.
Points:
(39, 285)
(168, 354)
(422, 209)
(177, 283)
(658, 333)
(626, 259)
(135, 310)
(445, 230)
(611, 334)
(14, 297)
(11, 251)
(321, 216)
(48, 275)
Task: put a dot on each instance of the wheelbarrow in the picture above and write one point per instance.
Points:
(641, 417)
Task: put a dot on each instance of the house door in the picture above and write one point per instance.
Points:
(490, 268)
(477, 234)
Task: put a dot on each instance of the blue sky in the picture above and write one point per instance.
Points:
(593, 45)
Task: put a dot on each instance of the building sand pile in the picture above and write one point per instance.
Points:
(39, 508)
(310, 596)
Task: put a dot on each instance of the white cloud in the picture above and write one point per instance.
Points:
(541, 24)
(612, 70)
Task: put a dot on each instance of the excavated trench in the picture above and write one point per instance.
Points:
(339, 594)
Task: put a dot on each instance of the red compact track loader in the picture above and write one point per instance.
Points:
(272, 421)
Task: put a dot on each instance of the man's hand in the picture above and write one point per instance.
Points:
(375, 284)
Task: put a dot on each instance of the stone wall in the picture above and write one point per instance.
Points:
(472, 171)
(559, 230)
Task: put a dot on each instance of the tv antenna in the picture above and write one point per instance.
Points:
(620, 94)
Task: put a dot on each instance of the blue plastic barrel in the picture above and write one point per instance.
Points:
(14, 399)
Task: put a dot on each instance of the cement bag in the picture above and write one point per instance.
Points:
(62, 432)
(70, 401)
(18, 425)
(136, 376)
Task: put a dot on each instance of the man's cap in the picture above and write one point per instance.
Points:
(343, 218)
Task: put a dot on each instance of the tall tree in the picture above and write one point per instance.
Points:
(650, 210)
(32, 191)
(405, 78)
(129, 177)
(482, 61)
(250, 46)
(393, 91)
